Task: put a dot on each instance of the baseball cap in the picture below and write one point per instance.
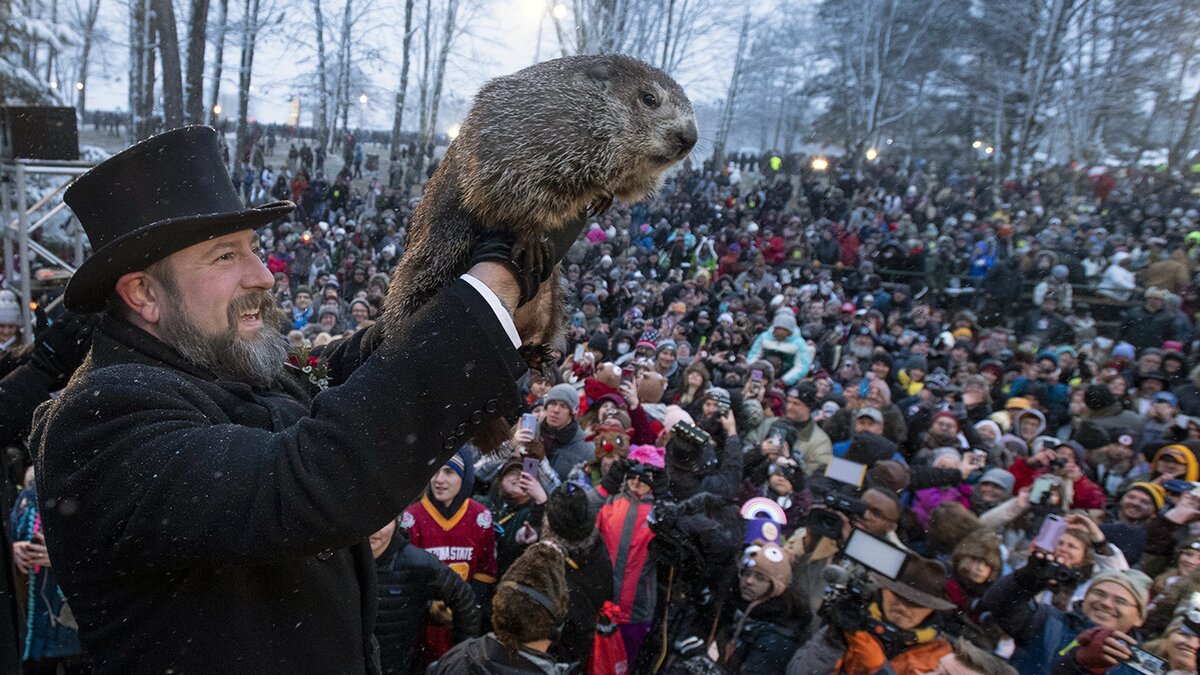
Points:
(872, 413)
(1166, 397)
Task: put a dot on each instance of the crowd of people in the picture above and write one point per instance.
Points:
(1002, 378)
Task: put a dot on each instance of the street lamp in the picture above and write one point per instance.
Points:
(362, 99)
(989, 149)
(977, 145)
(820, 164)
(559, 11)
(872, 153)
(53, 84)
(79, 86)
(217, 109)
(452, 132)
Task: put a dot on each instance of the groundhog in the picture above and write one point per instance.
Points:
(537, 149)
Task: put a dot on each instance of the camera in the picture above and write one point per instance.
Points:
(1144, 662)
(849, 589)
(691, 434)
(1057, 463)
(837, 498)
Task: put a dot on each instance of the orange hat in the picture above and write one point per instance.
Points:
(1181, 454)
(1018, 403)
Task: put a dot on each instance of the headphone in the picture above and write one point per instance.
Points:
(541, 599)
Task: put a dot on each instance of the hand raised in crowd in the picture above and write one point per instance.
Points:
(531, 486)
(1080, 521)
(613, 478)
(1186, 511)
(629, 393)
(1023, 498)
(729, 423)
(522, 437)
(972, 398)
(1103, 648)
(1043, 458)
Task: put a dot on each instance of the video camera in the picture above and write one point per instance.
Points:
(849, 589)
(836, 490)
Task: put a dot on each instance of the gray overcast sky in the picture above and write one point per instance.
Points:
(502, 38)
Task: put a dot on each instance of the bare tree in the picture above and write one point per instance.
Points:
(218, 60)
(193, 85)
(249, 35)
(321, 121)
(730, 103)
(401, 91)
(88, 25)
(142, 39)
(168, 49)
(433, 82)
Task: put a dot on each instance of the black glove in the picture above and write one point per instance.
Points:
(613, 478)
(59, 348)
(532, 266)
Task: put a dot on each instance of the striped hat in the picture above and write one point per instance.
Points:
(648, 339)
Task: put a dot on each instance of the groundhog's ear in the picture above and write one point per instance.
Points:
(601, 71)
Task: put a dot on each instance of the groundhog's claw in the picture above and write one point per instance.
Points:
(531, 255)
(602, 204)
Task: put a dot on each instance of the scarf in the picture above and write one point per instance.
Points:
(896, 642)
(553, 439)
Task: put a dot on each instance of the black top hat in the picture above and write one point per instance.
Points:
(160, 196)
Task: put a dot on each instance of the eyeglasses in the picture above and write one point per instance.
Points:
(1116, 599)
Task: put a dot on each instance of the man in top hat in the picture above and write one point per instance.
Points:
(204, 509)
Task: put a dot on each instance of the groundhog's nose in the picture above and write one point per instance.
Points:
(686, 138)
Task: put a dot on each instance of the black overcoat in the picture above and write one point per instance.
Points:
(201, 526)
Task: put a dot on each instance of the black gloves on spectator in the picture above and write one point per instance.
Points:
(613, 478)
(59, 348)
(532, 266)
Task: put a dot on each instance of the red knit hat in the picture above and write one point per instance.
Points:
(950, 416)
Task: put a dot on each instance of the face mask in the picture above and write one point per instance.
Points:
(622, 348)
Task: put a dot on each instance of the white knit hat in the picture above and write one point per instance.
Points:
(10, 309)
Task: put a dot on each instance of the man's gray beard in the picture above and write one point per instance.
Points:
(255, 361)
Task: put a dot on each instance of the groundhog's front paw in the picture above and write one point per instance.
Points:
(531, 255)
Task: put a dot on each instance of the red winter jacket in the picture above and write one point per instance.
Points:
(1088, 495)
(627, 535)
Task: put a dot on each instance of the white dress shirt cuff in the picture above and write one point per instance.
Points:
(497, 307)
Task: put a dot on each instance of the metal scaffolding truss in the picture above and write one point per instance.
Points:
(21, 219)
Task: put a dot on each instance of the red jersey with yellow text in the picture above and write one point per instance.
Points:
(466, 542)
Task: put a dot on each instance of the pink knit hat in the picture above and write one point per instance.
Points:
(648, 455)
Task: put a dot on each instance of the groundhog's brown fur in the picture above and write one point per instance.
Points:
(536, 149)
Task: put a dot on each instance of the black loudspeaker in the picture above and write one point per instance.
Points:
(38, 132)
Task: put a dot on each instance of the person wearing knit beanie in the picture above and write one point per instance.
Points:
(1135, 582)
(1098, 397)
(1176, 461)
(1154, 491)
(568, 514)
(766, 572)
(565, 394)
(10, 309)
